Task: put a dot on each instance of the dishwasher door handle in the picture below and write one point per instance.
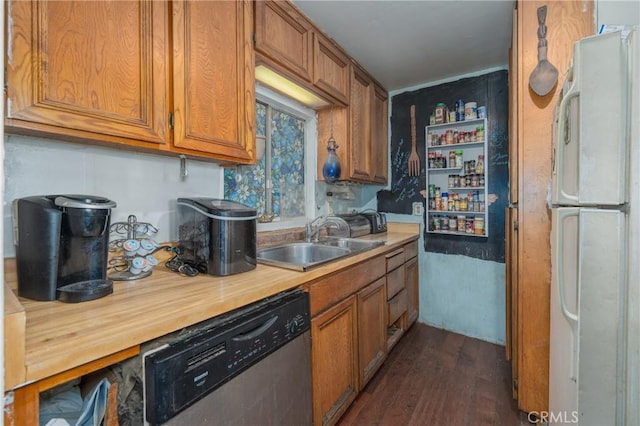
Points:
(256, 331)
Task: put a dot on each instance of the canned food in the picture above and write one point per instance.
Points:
(482, 112)
(478, 225)
(468, 226)
(470, 111)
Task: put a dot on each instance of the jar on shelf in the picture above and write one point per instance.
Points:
(480, 164)
(480, 133)
(462, 220)
(459, 162)
(452, 181)
(481, 181)
(453, 225)
(463, 204)
(438, 202)
(478, 225)
(436, 223)
(444, 224)
(456, 181)
(449, 137)
(444, 200)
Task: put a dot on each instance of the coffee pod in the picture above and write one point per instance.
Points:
(131, 247)
(137, 265)
(151, 263)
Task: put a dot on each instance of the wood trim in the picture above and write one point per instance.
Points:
(15, 322)
(26, 400)
(567, 22)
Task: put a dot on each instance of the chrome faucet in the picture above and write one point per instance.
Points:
(310, 233)
(324, 222)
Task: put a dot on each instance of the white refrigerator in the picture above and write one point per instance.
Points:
(595, 235)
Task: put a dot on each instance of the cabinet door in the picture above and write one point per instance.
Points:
(360, 137)
(372, 329)
(412, 285)
(379, 139)
(330, 69)
(213, 65)
(90, 70)
(284, 35)
(334, 358)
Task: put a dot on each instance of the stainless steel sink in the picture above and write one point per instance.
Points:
(301, 256)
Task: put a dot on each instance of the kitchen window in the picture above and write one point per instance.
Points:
(277, 186)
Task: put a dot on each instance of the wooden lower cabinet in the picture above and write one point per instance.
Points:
(372, 329)
(412, 285)
(334, 359)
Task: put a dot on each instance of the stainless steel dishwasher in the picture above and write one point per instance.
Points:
(249, 367)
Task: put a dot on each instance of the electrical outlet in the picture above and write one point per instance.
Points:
(417, 209)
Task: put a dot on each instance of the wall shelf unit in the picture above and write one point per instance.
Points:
(457, 178)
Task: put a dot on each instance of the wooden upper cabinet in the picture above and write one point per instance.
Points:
(330, 69)
(284, 35)
(360, 131)
(379, 135)
(95, 69)
(213, 78)
(360, 149)
(100, 72)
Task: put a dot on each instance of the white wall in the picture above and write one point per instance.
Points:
(142, 184)
(617, 12)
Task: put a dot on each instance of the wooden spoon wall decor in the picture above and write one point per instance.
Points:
(544, 76)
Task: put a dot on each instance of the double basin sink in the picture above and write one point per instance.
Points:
(301, 256)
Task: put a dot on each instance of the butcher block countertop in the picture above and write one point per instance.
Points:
(43, 339)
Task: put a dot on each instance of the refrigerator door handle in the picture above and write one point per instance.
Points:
(572, 318)
(562, 140)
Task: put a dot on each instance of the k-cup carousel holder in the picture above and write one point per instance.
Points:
(134, 240)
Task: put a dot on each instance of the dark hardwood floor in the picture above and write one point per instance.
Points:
(435, 377)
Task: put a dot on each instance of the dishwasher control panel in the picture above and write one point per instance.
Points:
(207, 355)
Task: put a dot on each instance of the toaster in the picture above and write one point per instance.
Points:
(377, 221)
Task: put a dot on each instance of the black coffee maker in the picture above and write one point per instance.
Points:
(62, 245)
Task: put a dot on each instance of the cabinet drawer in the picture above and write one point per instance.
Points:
(410, 250)
(395, 259)
(395, 282)
(329, 291)
(397, 306)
